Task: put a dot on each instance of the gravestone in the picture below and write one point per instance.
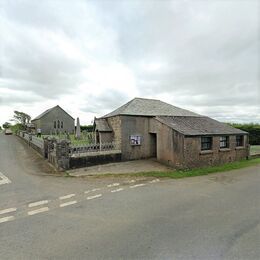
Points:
(78, 129)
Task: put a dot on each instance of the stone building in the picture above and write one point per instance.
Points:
(146, 128)
(53, 121)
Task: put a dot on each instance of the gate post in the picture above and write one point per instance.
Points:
(62, 154)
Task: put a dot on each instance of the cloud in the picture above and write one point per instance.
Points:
(91, 56)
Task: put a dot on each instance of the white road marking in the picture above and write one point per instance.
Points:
(153, 181)
(2, 220)
(87, 191)
(120, 189)
(67, 196)
(113, 185)
(137, 185)
(94, 197)
(96, 189)
(37, 211)
(68, 203)
(38, 203)
(4, 211)
(132, 181)
(4, 179)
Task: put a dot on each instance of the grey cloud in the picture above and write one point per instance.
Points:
(209, 51)
(105, 102)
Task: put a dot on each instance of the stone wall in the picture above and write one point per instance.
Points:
(194, 157)
(136, 126)
(58, 153)
(86, 161)
(170, 144)
(115, 124)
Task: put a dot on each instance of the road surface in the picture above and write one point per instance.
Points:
(44, 216)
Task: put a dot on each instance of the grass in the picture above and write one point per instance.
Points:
(194, 172)
(254, 149)
(73, 139)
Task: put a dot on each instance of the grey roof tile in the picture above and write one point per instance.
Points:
(102, 125)
(150, 107)
(192, 126)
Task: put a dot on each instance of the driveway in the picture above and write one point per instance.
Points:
(120, 167)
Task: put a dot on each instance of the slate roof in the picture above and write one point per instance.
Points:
(102, 125)
(192, 126)
(150, 107)
(49, 110)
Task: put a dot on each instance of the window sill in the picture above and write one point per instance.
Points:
(240, 148)
(206, 152)
(224, 149)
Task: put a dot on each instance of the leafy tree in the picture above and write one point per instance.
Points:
(6, 125)
(87, 128)
(21, 117)
(252, 129)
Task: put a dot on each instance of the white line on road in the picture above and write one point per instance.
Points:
(113, 185)
(117, 190)
(4, 179)
(38, 203)
(2, 220)
(94, 197)
(153, 181)
(4, 211)
(137, 185)
(68, 203)
(67, 196)
(37, 211)
(96, 189)
(132, 181)
(87, 191)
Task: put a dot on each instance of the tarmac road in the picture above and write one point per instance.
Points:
(43, 216)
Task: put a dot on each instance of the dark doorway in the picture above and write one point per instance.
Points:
(153, 145)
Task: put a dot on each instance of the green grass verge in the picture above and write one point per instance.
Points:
(194, 172)
(254, 149)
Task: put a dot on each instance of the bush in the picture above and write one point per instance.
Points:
(88, 128)
(252, 129)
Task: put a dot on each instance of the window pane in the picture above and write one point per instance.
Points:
(224, 141)
(206, 143)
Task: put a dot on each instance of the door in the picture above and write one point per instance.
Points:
(153, 145)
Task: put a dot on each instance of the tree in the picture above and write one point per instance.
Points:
(21, 118)
(6, 125)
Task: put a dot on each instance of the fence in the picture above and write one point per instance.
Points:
(64, 155)
(37, 142)
(82, 150)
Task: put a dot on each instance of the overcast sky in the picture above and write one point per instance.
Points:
(92, 56)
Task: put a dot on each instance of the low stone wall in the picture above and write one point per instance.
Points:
(95, 159)
(58, 153)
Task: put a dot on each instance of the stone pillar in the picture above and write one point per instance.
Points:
(61, 148)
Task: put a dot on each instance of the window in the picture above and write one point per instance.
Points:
(58, 123)
(54, 124)
(206, 143)
(224, 142)
(239, 140)
(61, 124)
(135, 140)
